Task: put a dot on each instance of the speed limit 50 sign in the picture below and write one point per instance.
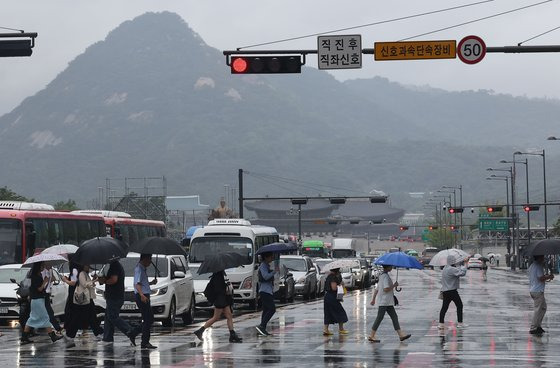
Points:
(471, 49)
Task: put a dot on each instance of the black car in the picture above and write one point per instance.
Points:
(287, 290)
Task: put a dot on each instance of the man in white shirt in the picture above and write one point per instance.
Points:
(537, 280)
(48, 273)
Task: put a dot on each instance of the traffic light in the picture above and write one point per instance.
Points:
(494, 209)
(403, 228)
(528, 208)
(453, 227)
(265, 64)
(432, 228)
(12, 48)
(455, 210)
(379, 199)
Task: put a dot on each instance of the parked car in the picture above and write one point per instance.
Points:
(304, 274)
(173, 295)
(287, 286)
(320, 264)
(362, 274)
(9, 308)
(474, 263)
(199, 284)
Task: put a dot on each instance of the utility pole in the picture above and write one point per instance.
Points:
(240, 185)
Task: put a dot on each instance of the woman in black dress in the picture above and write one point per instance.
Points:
(223, 301)
(333, 309)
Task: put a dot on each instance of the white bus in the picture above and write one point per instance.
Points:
(233, 235)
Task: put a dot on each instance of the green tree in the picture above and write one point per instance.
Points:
(441, 238)
(6, 194)
(69, 205)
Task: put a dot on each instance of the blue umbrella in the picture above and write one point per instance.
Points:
(398, 259)
(277, 248)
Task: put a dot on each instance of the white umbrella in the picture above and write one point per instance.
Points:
(61, 249)
(341, 263)
(440, 259)
(52, 259)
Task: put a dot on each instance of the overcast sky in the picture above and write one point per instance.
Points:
(67, 27)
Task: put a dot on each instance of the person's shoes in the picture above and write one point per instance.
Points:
(441, 326)
(55, 337)
(462, 325)
(372, 338)
(535, 332)
(199, 333)
(132, 337)
(343, 332)
(60, 332)
(540, 329)
(107, 341)
(69, 343)
(267, 333)
(25, 338)
(233, 337)
(403, 336)
(327, 333)
(261, 330)
(148, 346)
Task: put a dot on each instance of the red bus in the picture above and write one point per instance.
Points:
(120, 225)
(28, 227)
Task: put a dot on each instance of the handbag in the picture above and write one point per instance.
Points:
(81, 294)
(339, 292)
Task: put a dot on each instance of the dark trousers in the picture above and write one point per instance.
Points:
(448, 297)
(390, 310)
(268, 308)
(81, 314)
(147, 317)
(50, 311)
(112, 319)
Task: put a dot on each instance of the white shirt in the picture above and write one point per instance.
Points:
(536, 271)
(47, 274)
(385, 298)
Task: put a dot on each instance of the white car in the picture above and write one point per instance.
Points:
(9, 308)
(200, 282)
(348, 278)
(173, 294)
(304, 273)
(474, 263)
(322, 274)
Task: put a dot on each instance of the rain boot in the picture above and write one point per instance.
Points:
(69, 341)
(54, 336)
(199, 333)
(25, 338)
(402, 335)
(372, 338)
(233, 337)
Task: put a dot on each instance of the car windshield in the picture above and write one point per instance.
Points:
(129, 264)
(196, 276)
(294, 264)
(10, 241)
(321, 264)
(17, 274)
(201, 247)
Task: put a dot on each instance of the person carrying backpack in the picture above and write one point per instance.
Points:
(266, 292)
(219, 294)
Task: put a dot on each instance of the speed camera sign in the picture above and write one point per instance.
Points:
(471, 49)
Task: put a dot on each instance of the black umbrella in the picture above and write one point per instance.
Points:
(544, 247)
(157, 245)
(483, 259)
(221, 261)
(277, 248)
(100, 251)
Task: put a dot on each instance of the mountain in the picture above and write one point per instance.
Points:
(154, 99)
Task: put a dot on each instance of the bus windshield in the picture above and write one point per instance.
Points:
(343, 253)
(313, 251)
(10, 241)
(201, 247)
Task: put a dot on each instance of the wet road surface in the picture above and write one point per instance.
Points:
(497, 312)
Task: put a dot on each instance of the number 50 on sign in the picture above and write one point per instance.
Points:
(471, 49)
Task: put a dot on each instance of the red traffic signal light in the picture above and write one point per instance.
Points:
(494, 209)
(453, 227)
(265, 64)
(455, 210)
(528, 208)
(403, 228)
(432, 227)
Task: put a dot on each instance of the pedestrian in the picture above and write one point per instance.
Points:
(384, 291)
(266, 292)
(39, 317)
(332, 307)
(48, 274)
(222, 296)
(484, 269)
(83, 308)
(142, 293)
(537, 280)
(114, 298)
(449, 286)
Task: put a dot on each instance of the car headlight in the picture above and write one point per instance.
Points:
(301, 280)
(247, 283)
(160, 291)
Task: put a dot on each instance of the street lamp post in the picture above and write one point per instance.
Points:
(543, 155)
(454, 214)
(460, 188)
(506, 179)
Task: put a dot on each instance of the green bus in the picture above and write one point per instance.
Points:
(314, 248)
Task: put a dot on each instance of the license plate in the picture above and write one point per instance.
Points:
(129, 307)
(3, 310)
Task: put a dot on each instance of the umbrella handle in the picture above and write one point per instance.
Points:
(398, 289)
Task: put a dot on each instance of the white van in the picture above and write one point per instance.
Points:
(233, 235)
(343, 248)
